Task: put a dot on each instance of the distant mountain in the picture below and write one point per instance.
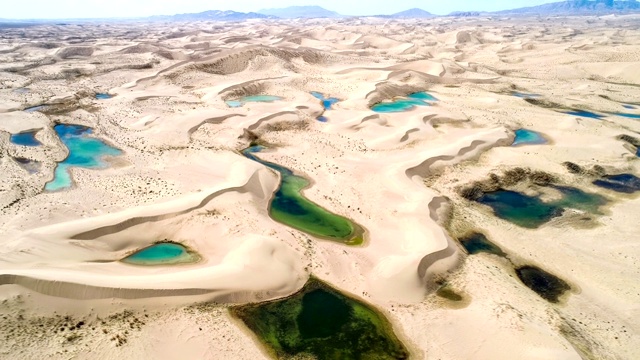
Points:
(466, 13)
(211, 15)
(579, 7)
(414, 13)
(294, 12)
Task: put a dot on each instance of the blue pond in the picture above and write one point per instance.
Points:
(162, 254)
(84, 151)
(255, 98)
(524, 95)
(584, 113)
(35, 108)
(531, 212)
(627, 115)
(327, 102)
(103, 96)
(631, 107)
(622, 183)
(404, 104)
(528, 137)
(27, 138)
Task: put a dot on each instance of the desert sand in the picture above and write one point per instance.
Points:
(181, 177)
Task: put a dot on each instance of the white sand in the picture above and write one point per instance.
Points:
(181, 178)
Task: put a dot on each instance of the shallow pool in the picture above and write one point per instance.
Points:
(85, 151)
(161, 254)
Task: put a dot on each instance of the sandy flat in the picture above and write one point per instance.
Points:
(181, 177)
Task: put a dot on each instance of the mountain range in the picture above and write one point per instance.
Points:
(578, 7)
(293, 12)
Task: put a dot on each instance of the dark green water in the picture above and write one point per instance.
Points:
(477, 243)
(291, 208)
(548, 286)
(531, 212)
(520, 209)
(161, 254)
(320, 321)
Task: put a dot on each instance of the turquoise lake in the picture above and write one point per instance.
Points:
(103, 96)
(404, 103)
(254, 98)
(162, 254)
(528, 137)
(27, 138)
(84, 151)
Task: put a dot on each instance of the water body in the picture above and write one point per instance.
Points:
(291, 208)
(84, 151)
(35, 108)
(477, 243)
(103, 96)
(627, 115)
(404, 104)
(321, 322)
(548, 286)
(622, 183)
(584, 113)
(581, 200)
(630, 107)
(531, 212)
(528, 137)
(520, 209)
(255, 98)
(21, 90)
(162, 254)
(523, 95)
(31, 166)
(327, 102)
(27, 138)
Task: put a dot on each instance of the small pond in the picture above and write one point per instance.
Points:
(162, 254)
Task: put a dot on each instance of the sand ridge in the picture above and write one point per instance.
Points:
(181, 177)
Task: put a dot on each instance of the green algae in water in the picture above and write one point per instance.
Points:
(291, 208)
(477, 243)
(447, 293)
(577, 199)
(520, 209)
(319, 321)
(548, 286)
(531, 212)
(162, 254)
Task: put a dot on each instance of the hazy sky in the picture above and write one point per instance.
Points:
(50, 9)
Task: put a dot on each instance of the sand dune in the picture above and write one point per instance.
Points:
(181, 177)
